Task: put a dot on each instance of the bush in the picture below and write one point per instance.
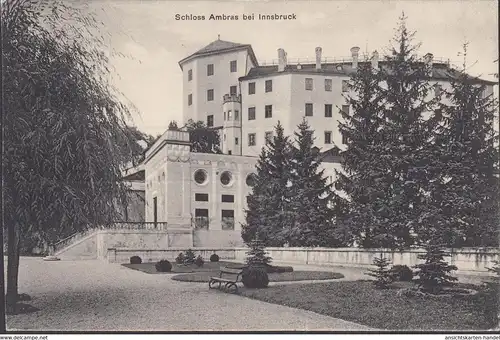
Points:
(278, 269)
(383, 276)
(402, 273)
(189, 258)
(135, 260)
(214, 258)
(199, 261)
(434, 274)
(163, 266)
(180, 258)
(255, 277)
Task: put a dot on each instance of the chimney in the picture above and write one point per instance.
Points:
(318, 58)
(428, 60)
(375, 60)
(355, 57)
(281, 60)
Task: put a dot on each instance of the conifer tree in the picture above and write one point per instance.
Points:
(382, 274)
(312, 219)
(268, 211)
(434, 274)
(404, 150)
(363, 168)
(465, 192)
(257, 255)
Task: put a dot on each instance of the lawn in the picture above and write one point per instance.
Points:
(149, 267)
(273, 277)
(360, 302)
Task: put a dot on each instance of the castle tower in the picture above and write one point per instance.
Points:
(231, 129)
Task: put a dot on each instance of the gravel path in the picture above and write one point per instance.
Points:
(94, 295)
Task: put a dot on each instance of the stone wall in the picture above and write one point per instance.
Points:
(217, 238)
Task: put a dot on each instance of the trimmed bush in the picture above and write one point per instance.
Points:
(402, 273)
(180, 258)
(214, 258)
(255, 277)
(199, 261)
(278, 269)
(163, 266)
(189, 257)
(135, 260)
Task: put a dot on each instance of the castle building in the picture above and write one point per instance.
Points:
(224, 86)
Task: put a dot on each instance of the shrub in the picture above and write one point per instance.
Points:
(135, 260)
(490, 293)
(278, 269)
(402, 273)
(383, 276)
(189, 257)
(180, 258)
(199, 261)
(257, 254)
(255, 277)
(214, 258)
(163, 266)
(434, 274)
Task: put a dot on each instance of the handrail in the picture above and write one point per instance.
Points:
(342, 59)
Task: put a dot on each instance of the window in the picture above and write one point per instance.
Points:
(210, 120)
(190, 99)
(236, 140)
(438, 89)
(328, 85)
(226, 178)
(201, 197)
(233, 66)
(201, 220)
(309, 84)
(236, 115)
(268, 111)
(229, 115)
(250, 180)
(309, 109)
(268, 136)
(251, 113)
(251, 88)
(269, 86)
(225, 116)
(227, 220)
(232, 90)
(345, 85)
(224, 137)
(230, 152)
(190, 75)
(227, 198)
(344, 139)
(328, 137)
(345, 109)
(200, 176)
(210, 95)
(328, 110)
(210, 69)
(251, 139)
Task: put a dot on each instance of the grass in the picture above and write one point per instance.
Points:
(273, 277)
(360, 302)
(149, 267)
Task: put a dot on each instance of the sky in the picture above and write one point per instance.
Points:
(153, 42)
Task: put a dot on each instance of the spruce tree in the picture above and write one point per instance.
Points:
(434, 274)
(312, 218)
(268, 204)
(382, 274)
(362, 166)
(257, 255)
(404, 152)
(465, 192)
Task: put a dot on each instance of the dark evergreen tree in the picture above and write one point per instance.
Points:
(434, 274)
(257, 255)
(203, 139)
(311, 196)
(465, 190)
(268, 204)
(404, 150)
(382, 274)
(364, 171)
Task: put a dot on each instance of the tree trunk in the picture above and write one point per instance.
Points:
(12, 268)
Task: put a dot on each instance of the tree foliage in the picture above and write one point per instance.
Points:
(65, 134)
(382, 274)
(203, 139)
(434, 274)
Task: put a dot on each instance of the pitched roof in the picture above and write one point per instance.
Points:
(219, 46)
(439, 71)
